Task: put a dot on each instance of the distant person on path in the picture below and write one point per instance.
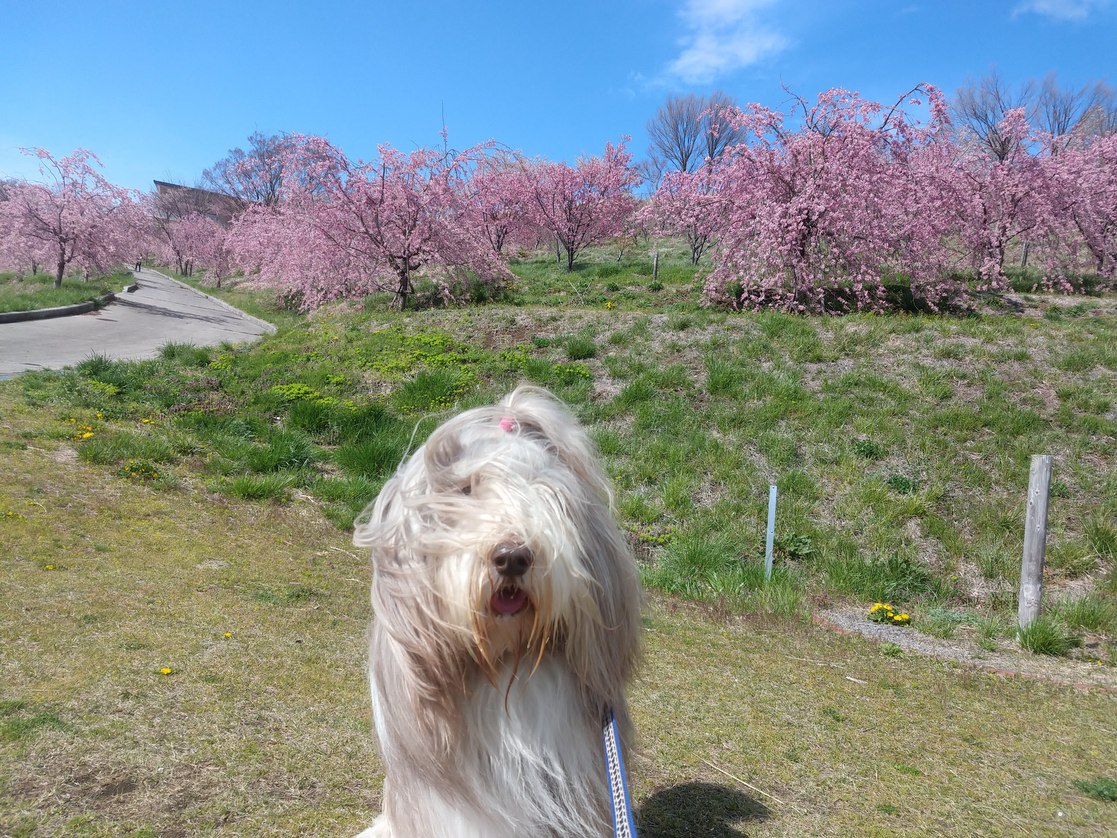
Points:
(139, 263)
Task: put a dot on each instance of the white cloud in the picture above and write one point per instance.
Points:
(723, 36)
(1060, 9)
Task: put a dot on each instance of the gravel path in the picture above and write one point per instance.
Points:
(1007, 659)
(135, 326)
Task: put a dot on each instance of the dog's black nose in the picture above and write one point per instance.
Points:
(512, 559)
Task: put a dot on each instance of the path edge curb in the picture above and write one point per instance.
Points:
(64, 311)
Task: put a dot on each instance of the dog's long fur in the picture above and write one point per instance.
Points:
(490, 724)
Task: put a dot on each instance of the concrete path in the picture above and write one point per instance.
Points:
(134, 326)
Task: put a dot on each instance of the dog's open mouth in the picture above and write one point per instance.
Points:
(508, 601)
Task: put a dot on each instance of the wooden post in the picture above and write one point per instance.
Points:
(1035, 542)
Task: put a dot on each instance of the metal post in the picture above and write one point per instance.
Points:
(1035, 542)
(770, 543)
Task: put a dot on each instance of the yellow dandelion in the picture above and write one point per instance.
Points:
(166, 670)
(49, 567)
(228, 634)
(86, 435)
(609, 305)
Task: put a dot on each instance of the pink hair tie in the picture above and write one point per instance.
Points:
(508, 424)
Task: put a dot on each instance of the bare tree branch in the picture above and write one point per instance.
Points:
(676, 131)
(252, 176)
(1099, 119)
(979, 107)
(1060, 111)
(720, 133)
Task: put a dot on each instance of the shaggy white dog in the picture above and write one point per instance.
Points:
(507, 622)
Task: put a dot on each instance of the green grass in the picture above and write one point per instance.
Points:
(1100, 788)
(19, 721)
(186, 354)
(1094, 612)
(897, 579)
(27, 293)
(1048, 636)
(580, 347)
(941, 622)
(281, 450)
(375, 458)
(343, 498)
(115, 446)
(432, 390)
(275, 487)
(607, 276)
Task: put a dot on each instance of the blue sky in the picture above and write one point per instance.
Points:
(162, 90)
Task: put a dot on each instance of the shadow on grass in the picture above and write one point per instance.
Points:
(699, 809)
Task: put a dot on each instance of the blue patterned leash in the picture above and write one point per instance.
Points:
(624, 826)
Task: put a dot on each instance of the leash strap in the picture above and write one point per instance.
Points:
(623, 823)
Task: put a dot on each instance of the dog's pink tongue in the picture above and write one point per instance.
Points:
(507, 602)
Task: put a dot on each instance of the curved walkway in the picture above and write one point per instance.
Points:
(134, 326)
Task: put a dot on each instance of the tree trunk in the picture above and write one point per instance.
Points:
(58, 273)
(1024, 255)
(402, 291)
(558, 251)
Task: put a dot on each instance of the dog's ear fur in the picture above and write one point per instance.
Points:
(413, 669)
(604, 647)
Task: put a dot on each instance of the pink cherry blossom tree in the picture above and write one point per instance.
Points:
(816, 215)
(495, 202)
(1083, 179)
(168, 243)
(203, 243)
(685, 204)
(582, 205)
(75, 218)
(992, 200)
(18, 252)
(346, 228)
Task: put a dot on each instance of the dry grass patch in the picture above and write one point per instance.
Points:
(263, 731)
